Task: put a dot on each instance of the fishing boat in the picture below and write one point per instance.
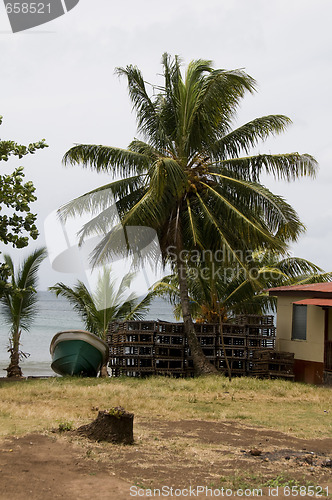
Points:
(77, 352)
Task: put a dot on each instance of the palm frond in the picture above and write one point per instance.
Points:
(193, 226)
(108, 302)
(217, 233)
(167, 173)
(140, 308)
(149, 121)
(288, 166)
(115, 161)
(101, 198)
(246, 137)
(281, 219)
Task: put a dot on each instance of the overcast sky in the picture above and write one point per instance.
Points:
(57, 82)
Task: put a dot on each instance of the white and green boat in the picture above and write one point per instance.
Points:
(77, 352)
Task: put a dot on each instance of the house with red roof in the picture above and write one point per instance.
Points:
(304, 327)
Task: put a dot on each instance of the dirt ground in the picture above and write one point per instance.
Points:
(180, 454)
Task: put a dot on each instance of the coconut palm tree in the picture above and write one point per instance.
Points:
(190, 176)
(105, 304)
(19, 303)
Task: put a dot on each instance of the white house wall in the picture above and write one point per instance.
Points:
(311, 349)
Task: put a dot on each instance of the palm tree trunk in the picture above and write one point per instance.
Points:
(103, 370)
(14, 369)
(201, 365)
(224, 348)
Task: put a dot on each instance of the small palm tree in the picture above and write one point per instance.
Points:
(19, 301)
(218, 292)
(106, 304)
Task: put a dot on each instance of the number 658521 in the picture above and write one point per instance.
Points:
(28, 8)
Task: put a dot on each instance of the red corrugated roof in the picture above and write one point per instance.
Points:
(315, 302)
(314, 287)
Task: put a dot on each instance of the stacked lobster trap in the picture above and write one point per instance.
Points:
(142, 348)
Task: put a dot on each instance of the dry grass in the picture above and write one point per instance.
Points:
(37, 405)
(162, 448)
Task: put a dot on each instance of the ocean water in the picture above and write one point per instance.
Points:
(54, 315)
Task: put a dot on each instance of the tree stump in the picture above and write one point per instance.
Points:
(113, 426)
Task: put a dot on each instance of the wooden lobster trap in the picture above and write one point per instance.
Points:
(142, 348)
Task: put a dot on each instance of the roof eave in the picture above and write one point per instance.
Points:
(300, 293)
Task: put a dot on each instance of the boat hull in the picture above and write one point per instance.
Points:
(78, 353)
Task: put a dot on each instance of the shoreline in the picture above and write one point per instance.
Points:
(29, 377)
(30, 368)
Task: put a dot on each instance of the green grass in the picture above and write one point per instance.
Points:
(37, 405)
(65, 426)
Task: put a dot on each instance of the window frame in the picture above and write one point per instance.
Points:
(299, 323)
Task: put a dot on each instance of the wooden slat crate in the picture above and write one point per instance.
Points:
(264, 354)
(232, 340)
(141, 348)
(237, 366)
(260, 342)
(272, 364)
(254, 319)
